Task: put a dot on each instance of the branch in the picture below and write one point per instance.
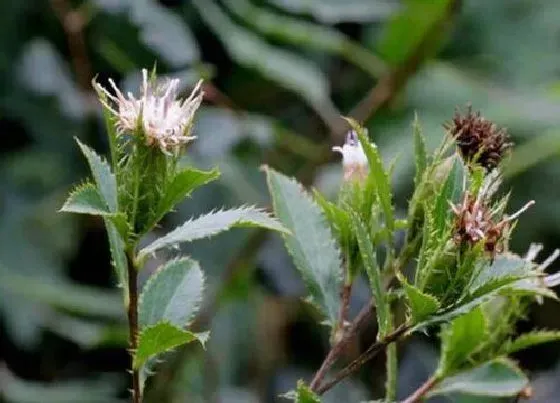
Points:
(365, 357)
(421, 391)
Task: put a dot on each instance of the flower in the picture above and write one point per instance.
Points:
(163, 119)
(354, 160)
(478, 139)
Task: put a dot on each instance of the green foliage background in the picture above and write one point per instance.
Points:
(279, 73)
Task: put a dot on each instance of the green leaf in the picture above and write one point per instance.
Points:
(460, 339)
(421, 305)
(104, 178)
(369, 260)
(381, 179)
(499, 377)
(213, 223)
(303, 394)
(162, 337)
(85, 199)
(530, 339)
(450, 192)
(503, 266)
(420, 153)
(116, 247)
(173, 293)
(310, 243)
(181, 186)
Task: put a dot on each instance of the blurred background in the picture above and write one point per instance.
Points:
(278, 73)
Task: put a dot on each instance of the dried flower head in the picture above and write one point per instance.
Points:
(478, 139)
(354, 160)
(157, 114)
(475, 221)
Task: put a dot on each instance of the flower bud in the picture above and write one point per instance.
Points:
(354, 160)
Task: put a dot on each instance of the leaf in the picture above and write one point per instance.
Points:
(104, 178)
(460, 339)
(288, 69)
(85, 199)
(499, 377)
(450, 192)
(369, 260)
(303, 394)
(181, 186)
(420, 153)
(530, 339)
(421, 305)
(310, 243)
(503, 266)
(116, 247)
(173, 293)
(162, 337)
(380, 176)
(213, 223)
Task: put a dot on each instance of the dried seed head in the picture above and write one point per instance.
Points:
(354, 160)
(164, 120)
(475, 222)
(479, 140)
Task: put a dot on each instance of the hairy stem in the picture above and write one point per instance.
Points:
(363, 358)
(421, 391)
(391, 365)
(133, 322)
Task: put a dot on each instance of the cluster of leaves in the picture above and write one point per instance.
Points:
(474, 293)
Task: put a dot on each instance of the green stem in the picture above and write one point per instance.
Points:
(391, 366)
(133, 322)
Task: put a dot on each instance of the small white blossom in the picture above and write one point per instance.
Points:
(354, 160)
(157, 114)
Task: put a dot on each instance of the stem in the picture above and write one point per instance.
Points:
(339, 347)
(422, 390)
(362, 359)
(133, 322)
(391, 365)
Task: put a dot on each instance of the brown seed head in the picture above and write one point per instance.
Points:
(478, 139)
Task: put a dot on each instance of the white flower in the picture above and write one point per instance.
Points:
(157, 114)
(354, 160)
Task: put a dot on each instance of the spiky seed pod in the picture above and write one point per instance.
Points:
(478, 139)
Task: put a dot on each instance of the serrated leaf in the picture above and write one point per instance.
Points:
(213, 223)
(460, 339)
(181, 186)
(116, 247)
(420, 153)
(85, 199)
(450, 192)
(503, 266)
(530, 339)
(421, 305)
(499, 377)
(173, 293)
(162, 337)
(302, 394)
(380, 176)
(369, 260)
(104, 178)
(310, 243)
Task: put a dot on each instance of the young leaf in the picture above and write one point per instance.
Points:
(162, 337)
(172, 294)
(213, 223)
(499, 377)
(116, 247)
(530, 339)
(369, 261)
(310, 243)
(503, 266)
(303, 394)
(380, 176)
(181, 186)
(420, 153)
(85, 199)
(460, 339)
(450, 192)
(104, 178)
(421, 305)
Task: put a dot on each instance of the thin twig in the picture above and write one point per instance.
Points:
(133, 323)
(421, 391)
(364, 357)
